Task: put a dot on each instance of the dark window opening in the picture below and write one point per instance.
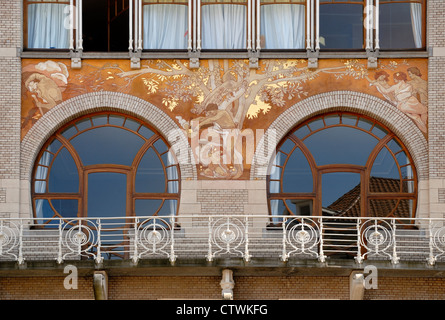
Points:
(105, 25)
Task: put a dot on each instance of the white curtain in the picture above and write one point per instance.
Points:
(416, 22)
(40, 186)
(46, 26)
(165, 26)
(223, 26)
(283, 26)
(274, 187)
(173, 186)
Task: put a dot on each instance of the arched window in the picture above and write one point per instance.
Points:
(105, 165)
(342, 165)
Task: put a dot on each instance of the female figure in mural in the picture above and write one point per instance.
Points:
(217, 154)
(404, 99)
(420, 86)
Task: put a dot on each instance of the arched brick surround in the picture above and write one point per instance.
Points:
(99, 101)
(352, 101)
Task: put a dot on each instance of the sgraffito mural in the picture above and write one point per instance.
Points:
(224, 95)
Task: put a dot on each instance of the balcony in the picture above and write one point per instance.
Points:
(244, 239)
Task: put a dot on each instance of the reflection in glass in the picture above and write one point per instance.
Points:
(300, 207)
(278, 209)
(381, 207)
(150, 175)
(343, 145)
(64, 176)
(99, 145)
(404, 208)
(341, 26)
(147, 207)
(341, 193)
(43, 209)
(107, 194)
(297, 174)
(385, 175)
(65, 207)
(400, 25)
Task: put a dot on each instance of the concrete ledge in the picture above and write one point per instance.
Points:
(201, 267)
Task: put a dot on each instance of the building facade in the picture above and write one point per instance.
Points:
(222, 150)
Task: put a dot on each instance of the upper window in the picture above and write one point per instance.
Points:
(121, 25)
(224, 24)
(402, 24)
(283, 24)
(341, 24)
(105, 165)
(165, 24)
(46, 25)
(342, 164)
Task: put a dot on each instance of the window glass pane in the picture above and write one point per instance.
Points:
(332, 119)
(107, 194)
(165, 26)
(297, 174)
(341, 26)
(63, 176)
(278, 209)
(349, 119)
(404, 209)
(66, 208)
(43, 209)
(107, 145)
(385, 175)
(341, 145)
(132, 125)
(83, 124)
(283, 26)
(46, 28)
(408, 186)
(116, 120)
(341, 194)
(146, 207)
(223, 26)
(400, 25)
(365, 124)
(379, 131)
(287, 146)
(381, 207)
(145, 132)
(69, 132)
(160, 146)
(316, 124)
(300, 207)
(54, 146)
(150, 175)
(302, 132)
(168, 208)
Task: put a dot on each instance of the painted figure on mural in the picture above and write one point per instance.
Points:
(217, 155)
(404, 96)
(420, 85)
(45, 82)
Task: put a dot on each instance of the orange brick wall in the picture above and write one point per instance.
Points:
(246, 288)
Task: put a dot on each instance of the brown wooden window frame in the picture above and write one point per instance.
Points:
(367, 195)
(83, 170)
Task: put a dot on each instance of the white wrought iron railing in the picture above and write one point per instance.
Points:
(228, 236)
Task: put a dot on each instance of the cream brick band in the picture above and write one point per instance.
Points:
(351, 101)
(100, 101)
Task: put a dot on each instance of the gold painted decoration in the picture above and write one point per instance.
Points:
(224, 106)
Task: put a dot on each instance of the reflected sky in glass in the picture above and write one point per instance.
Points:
(341, 145)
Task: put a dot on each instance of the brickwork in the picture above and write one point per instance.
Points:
(97, 101)
(360, 103)
(10, 106)
(200, 287)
